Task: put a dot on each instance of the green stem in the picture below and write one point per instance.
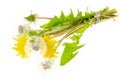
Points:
(44, 18)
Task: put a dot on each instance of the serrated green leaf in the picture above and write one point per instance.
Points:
(81, 30)
(88, 16)
(76, 38)
(55, 22)
(62, 17)
(79, 15)
(104, 9)
(70, 51)
(70, 17)
(52, 23)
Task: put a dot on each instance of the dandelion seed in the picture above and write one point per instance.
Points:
(47, 64)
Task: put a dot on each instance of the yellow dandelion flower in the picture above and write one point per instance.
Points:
(20, 46)
(51, 47)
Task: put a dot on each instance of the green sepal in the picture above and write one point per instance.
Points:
(31, 18)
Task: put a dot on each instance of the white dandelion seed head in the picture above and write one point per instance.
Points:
(37, 44)
(47, 64)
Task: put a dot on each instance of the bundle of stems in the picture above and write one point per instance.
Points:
(73, 25)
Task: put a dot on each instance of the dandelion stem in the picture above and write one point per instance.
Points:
(45, 18)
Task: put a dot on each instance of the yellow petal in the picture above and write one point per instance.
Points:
(51, 46)
(19, 46)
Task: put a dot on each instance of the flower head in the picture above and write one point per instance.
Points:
(20, 46)
(51, 47)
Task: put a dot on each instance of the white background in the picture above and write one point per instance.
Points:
(99, 59)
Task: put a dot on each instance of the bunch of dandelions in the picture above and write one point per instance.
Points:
(45, 45)
(43, 40)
